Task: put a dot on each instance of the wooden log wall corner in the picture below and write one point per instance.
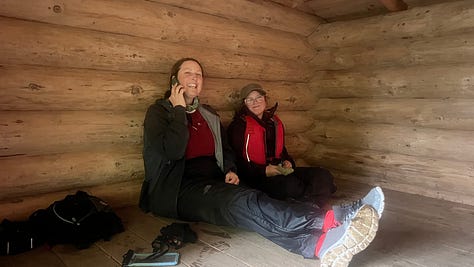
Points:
(396, 100)
(77, 77)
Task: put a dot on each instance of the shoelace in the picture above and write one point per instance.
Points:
(351, 207)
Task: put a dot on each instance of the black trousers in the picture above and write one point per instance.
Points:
(295, 226)
(312, 184)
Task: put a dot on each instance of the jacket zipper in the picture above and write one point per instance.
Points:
(247, 147)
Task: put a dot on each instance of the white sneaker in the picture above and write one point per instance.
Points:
(353, 236)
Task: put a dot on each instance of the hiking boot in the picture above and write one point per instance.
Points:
(374, 198)
(340, 244)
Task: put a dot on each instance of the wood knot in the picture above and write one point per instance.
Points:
(266, 19)
(34, 86)
(57, 9)
(292, 99)
(136, 89)
(235, 95)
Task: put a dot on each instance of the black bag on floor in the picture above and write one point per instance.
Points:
(17, 237)
(79, 219)
(173, 236)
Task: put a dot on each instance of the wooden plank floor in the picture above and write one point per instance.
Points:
(414, 231)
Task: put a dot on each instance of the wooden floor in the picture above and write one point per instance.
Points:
(414, 231)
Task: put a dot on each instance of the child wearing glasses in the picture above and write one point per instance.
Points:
(257, 136)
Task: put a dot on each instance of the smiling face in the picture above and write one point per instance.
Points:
(190, 77)
(256, 103)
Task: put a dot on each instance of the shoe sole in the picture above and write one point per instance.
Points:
(360, 233)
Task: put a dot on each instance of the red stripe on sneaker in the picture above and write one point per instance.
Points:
(319, 244)
(329, 223)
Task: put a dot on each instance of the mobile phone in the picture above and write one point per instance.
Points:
(174, 80)
(144, 260)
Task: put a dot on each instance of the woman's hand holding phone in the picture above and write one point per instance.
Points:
(177, 95)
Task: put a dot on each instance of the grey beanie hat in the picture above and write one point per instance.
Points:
(246, 90)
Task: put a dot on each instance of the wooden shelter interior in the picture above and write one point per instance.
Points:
(380, 92)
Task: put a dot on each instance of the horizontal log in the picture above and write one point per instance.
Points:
(442, 179)
(255, 12)
(34, 43)
(26, 87)
(417, 22)
(143, 18)
(453, 145)
(296, 121)
(224, 94)
(450, 114)
(116, 195)
(394, 5)
(439, 81)
(338, 10)
(297, 146)
(49, 132)
(445, 179)
(32, 175)
(402, 187)
(450, 49)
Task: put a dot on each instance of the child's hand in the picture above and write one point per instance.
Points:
(284, 170)
(287, 164)
(272, 170)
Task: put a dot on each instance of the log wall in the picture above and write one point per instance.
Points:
(78, 76)
(396, 100)
(390, 105)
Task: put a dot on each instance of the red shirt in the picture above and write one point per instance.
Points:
(201, 140)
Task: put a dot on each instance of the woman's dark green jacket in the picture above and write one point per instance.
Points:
(165, 137)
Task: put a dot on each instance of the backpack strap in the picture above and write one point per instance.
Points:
(78, 222)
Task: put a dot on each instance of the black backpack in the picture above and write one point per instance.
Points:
(79, 219)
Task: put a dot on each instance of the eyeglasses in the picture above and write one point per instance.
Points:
(258, 99)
